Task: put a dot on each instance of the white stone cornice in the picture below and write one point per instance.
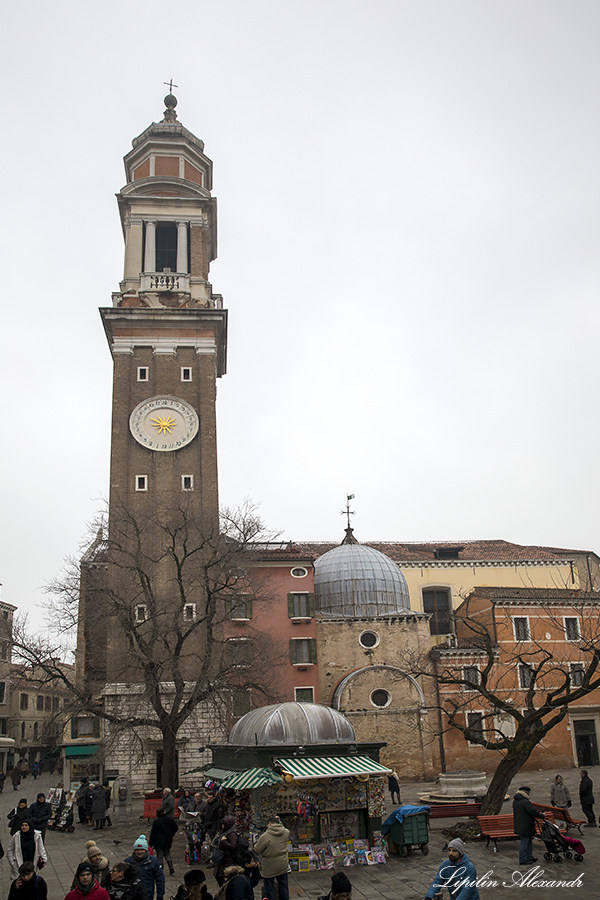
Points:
(478, 563)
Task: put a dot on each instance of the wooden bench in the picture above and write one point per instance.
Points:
(453, 810)
(561, 815)
(494, 827)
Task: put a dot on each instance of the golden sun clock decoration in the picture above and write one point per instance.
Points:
(164, 423)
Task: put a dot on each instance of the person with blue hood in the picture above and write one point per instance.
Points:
(457, 874)
(147, 868)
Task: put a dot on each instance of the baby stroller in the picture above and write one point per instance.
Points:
(559, 845)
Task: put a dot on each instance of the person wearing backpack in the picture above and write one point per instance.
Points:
(225, 855)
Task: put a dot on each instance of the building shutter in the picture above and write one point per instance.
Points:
(312, 650)
(248, 607)
(293, 654)
(96, 727)
(73, 728)
(311, 605)
(291, 606)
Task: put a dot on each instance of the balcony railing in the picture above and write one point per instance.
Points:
(165, 281)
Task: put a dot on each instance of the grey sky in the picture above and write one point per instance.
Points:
(408, 247)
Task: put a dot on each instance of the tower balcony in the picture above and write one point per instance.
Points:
(165, 281)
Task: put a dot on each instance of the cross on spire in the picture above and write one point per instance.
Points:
(171, 85)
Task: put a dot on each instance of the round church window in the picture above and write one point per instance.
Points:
(381, 698)
(368, 639)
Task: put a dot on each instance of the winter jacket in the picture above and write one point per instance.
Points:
(82, 792)
(559, 795)
(99, 802)
(212, 816)
(16, 816)
(40, 813)
(586, 791)
(453, 875)
(227, 844)
(34, 889)
(168, 805)
(131, 888)
(14, 854)
(524, 813)
(273, 849)
(96, 893)
(235, 888)
(149, 871)
(162, 833)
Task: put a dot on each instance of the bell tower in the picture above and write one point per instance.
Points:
(166, 329)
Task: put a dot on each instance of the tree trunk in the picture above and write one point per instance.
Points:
(504, 774)
(169, 776)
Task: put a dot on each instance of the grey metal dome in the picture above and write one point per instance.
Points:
(292, 723)
(356, 581)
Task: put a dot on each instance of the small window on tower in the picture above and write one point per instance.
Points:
(141, 482)
(142, 373)
(189, 612)
(187, 482)
(186, 373)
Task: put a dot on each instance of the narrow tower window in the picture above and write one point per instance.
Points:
(166, 247)
(186, 373)
(141, 482)
(142, 373)
(187, 482)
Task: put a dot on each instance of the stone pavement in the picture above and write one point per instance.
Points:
(401, 878)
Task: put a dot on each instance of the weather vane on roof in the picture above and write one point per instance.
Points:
(171, 85)
(348, 512)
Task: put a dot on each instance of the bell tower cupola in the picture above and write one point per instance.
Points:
(169, 218)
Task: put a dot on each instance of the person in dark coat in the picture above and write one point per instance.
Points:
(161, 838)
(98, 795)
(27, 885)
(212, 815)
(124, 884)
(15, 777)
(227, 845)
(235, 886)
(193, 887)
(525, 814)
(41, 811)
(586, 798)
(108, 792)
(2, 780)
(17, 815)
(147, 868)
(168, 803)
(81, 800)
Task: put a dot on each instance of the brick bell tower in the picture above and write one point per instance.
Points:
(166, 329)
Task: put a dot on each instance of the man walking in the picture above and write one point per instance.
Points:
(457, 873)
(586, 798)
(272, 846)
(525, 814)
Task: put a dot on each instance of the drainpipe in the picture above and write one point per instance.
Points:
(440, 723)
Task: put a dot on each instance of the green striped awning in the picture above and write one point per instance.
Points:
(332, 767)
(217, 773)
(251, 778)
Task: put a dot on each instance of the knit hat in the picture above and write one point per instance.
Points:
(83, 867)
(94, 850)
(194, 876)
(457, 844)
(22, 800)
(89, 844)
(141, 843)
(340, 884)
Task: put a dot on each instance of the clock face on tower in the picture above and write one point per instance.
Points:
(164, 423)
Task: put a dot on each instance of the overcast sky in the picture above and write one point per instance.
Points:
(408, 199)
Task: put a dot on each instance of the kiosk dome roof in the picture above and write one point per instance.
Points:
(292, 723)
(356, 581)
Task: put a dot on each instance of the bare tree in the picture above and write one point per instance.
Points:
(491, 669)
(152, 604)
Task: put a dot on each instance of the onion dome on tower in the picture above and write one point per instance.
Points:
(356, 581)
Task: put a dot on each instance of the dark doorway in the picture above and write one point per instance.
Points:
(159, 761)
(586, 743)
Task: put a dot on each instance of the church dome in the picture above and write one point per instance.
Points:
(356, 581)
(292, 723)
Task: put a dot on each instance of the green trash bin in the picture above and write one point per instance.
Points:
(412, 833)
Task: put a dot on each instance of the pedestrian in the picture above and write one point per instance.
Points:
(274, 859)
(124, 883)
(108, 792)
(26, 846)
(226, 847)
(161, 838)
(87, 888)
(98, 862)
(212, 815)
(27, 885)
(341, 889)
(186, 804)
(15, 777)
(41, 812)
(235, 886)
(559, 793)
(193, 887)
(168, 803)
(586, 798)
(524, 816)
(147, 868)
(2, 780)
(35, 769)
(81, 800)
(394, 786)
(17, 815)
(251, 868)
(457, 873)
(98, 795)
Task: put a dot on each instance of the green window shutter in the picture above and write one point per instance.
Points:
(311, 605)
(249, 607)
(73, 728)
(291, 606)
(312, 649)
(96, 727)
(293, 655)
